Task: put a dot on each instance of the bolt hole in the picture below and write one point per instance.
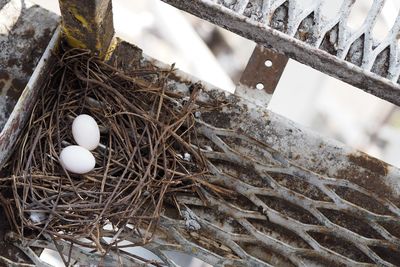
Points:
(268, 63)
(260, 86)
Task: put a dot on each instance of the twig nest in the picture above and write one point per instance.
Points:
(137, 169)
(77, 159)
(86, 132)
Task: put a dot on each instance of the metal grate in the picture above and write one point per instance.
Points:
(300, 30)
(283, 214)
(295, 200)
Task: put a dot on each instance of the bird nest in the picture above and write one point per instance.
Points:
(146, 155)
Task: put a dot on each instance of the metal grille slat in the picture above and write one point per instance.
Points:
(306, 35)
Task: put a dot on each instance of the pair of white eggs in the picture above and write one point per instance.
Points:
(78, 159)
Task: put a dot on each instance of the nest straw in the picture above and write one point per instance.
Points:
(145, 132)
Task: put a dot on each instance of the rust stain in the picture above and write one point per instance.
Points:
(84, 28)
(218, 119)
(28, 67)
(369, 173)
(4, 75)
(18, 84)
(12, 62)
(340, 246)
(203, 240)
(392, 228)
(347, 221)
(372, 164)
(264, 253)
(365, 180)
(28, 33)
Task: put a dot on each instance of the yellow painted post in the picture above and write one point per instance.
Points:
(88, 24)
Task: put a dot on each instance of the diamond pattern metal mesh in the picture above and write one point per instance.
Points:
(279, 213)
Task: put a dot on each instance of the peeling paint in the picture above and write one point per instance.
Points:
(88, 24)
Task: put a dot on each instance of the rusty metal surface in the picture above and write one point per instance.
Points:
(25, 31)
(88, 24)
(298, 199)
(261, 75)
(265, 68)
(306, 35)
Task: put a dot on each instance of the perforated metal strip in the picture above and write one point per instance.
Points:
(306, 35)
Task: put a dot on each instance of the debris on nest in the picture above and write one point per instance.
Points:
(145, 155)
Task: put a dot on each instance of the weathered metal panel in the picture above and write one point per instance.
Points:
(304, 34)
(23, 107)
(25, 31)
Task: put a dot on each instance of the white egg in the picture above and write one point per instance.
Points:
(86, 131)
(77, 159)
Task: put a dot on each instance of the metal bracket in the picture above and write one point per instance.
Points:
(261, 75)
